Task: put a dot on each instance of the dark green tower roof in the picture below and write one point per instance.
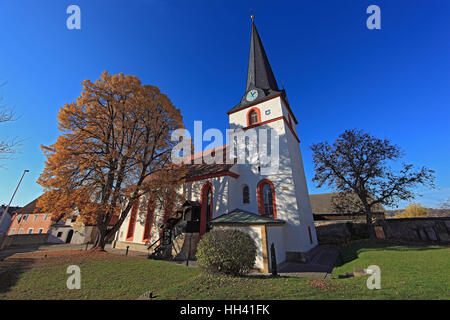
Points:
(260, 76)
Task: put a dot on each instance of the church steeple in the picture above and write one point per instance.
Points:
(261, 83)
(259, 74)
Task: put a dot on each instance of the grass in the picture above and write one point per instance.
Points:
(103, 276)
(406, 273)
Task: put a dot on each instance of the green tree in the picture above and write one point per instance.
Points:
(359, 163)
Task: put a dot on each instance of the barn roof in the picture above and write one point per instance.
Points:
(322, 203)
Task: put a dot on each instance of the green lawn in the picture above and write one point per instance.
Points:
(406, 273)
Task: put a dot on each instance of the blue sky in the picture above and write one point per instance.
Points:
(393, 82)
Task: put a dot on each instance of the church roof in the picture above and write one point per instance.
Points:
(259, 74)
(203, 169)
(238, 216)
(206, 170)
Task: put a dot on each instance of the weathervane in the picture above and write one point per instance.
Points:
(252, 14)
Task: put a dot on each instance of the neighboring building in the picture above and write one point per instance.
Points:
(68, 230)
(323, 208)
(6, 222)
(27, 221)
(273, 208)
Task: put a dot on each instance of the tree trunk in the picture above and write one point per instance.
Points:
(100, 241)
(370, 226)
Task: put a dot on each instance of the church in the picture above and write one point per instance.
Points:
(273, 207)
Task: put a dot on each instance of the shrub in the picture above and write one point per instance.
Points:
(228, 251)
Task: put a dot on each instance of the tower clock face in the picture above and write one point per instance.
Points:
(252, 95)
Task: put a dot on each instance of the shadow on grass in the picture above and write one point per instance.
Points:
(350, 252)
(10, 272)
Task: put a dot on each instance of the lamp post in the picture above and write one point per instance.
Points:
(6, 210)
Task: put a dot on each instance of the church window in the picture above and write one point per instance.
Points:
(245, 195)
(132, 222)
(149, 221)
(253, 116)
(266, 199)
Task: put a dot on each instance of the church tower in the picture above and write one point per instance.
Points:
(283, 194)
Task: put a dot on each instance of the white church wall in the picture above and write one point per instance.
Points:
(291, 194)
(238, 120)
(139, 226)
(302, 195)
(248, 175)
(275, 235)
(193, 191)
(288, 116)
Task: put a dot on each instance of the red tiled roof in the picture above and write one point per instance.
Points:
(29, 208)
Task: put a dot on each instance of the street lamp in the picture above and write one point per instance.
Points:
(6, 210)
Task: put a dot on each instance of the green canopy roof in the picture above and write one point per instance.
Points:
(238, 216)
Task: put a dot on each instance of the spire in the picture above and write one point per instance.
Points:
(259, 74)
(261, 83)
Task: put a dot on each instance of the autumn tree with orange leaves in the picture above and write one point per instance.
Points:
(115, 146)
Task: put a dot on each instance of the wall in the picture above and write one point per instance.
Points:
(424, 229)
(25, 239)
(33, 221)
(192, 191)
(86, 235)
(64, 229)
(275, 235)
(434, 229)
(185, 246)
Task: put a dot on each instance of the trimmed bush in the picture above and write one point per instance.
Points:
(228, 251)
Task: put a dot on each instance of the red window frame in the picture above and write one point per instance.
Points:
(258, 112)
(149, 221)
(132, 223)
(260, 194)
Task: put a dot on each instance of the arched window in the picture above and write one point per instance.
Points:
(245, 194)
(207, 207)
(149, 221)
(266, 199)
(253, 116)
(132, 223)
